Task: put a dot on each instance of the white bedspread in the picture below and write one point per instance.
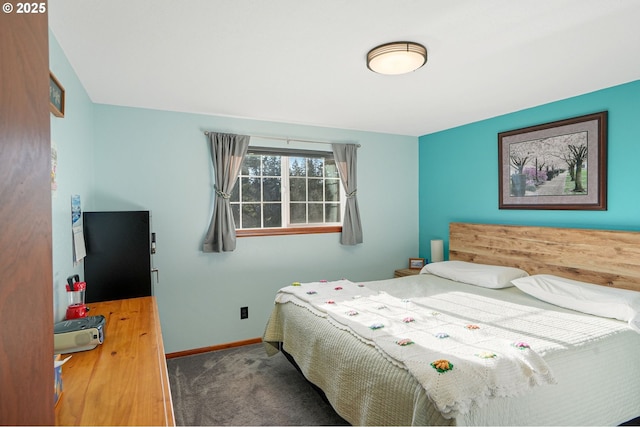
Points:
(593, 359)
(459, 364)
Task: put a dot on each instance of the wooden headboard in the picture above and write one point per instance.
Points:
(603, 257)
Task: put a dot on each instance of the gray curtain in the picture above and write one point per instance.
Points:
(346, 160)
(227, 153)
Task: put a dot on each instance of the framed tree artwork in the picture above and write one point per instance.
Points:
(558, 165)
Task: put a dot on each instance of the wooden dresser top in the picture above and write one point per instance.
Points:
(124, 380)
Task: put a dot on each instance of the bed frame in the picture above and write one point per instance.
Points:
(608, 258)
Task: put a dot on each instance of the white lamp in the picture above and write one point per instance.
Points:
(396, 58)
(437, 250)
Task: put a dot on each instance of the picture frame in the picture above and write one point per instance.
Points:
(416, 263)
(557, 165)
(56, 96)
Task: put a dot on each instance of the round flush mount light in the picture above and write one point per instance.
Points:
(396, 58)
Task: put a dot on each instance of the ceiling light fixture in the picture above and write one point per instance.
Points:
(396, 58)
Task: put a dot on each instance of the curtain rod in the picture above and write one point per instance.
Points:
(277, 138)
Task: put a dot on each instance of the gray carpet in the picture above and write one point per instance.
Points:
(243, 386)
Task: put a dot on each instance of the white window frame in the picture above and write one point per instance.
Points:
(287, 227)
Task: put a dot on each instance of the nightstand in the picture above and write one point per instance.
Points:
(406, 272)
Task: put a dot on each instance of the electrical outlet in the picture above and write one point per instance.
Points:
(244, 312)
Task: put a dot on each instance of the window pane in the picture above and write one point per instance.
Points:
(235, 194)
(330, 169)
(251, 190)
(332, 212)
(271, 189)
(313, 186)
(235, 210)
(315, 190)
(271, 165)
(251, 165)
(315, 212)
(297, 166)
(314, 166)
(332, 190)
(251, 215)
(272, 215)
(298, 213)
(298, 191)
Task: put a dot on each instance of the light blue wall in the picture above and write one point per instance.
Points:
(459, 168)
(157, 160)
(120, 158)
(73, 137)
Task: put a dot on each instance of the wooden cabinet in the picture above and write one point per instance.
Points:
(406, 272)
(123, 381)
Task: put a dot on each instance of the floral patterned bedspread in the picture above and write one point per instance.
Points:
(460, 357)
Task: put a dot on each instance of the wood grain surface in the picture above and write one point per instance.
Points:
(123, 381)
(603, 257)
(26, 272)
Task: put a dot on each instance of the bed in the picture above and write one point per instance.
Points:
(512, 358)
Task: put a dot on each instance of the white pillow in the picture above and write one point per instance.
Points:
(487, 276)
(621, 304)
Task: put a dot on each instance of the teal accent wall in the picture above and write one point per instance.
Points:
(459, 168)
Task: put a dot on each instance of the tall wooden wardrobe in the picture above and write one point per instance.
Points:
(26, 288)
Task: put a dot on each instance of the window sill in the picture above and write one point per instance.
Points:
(286, 231)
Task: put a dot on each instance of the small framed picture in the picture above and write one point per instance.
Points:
(416, 263)
(56, 96)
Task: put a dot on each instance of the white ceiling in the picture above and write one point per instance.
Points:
(303, 61)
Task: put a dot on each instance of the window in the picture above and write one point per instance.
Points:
(287, 192)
